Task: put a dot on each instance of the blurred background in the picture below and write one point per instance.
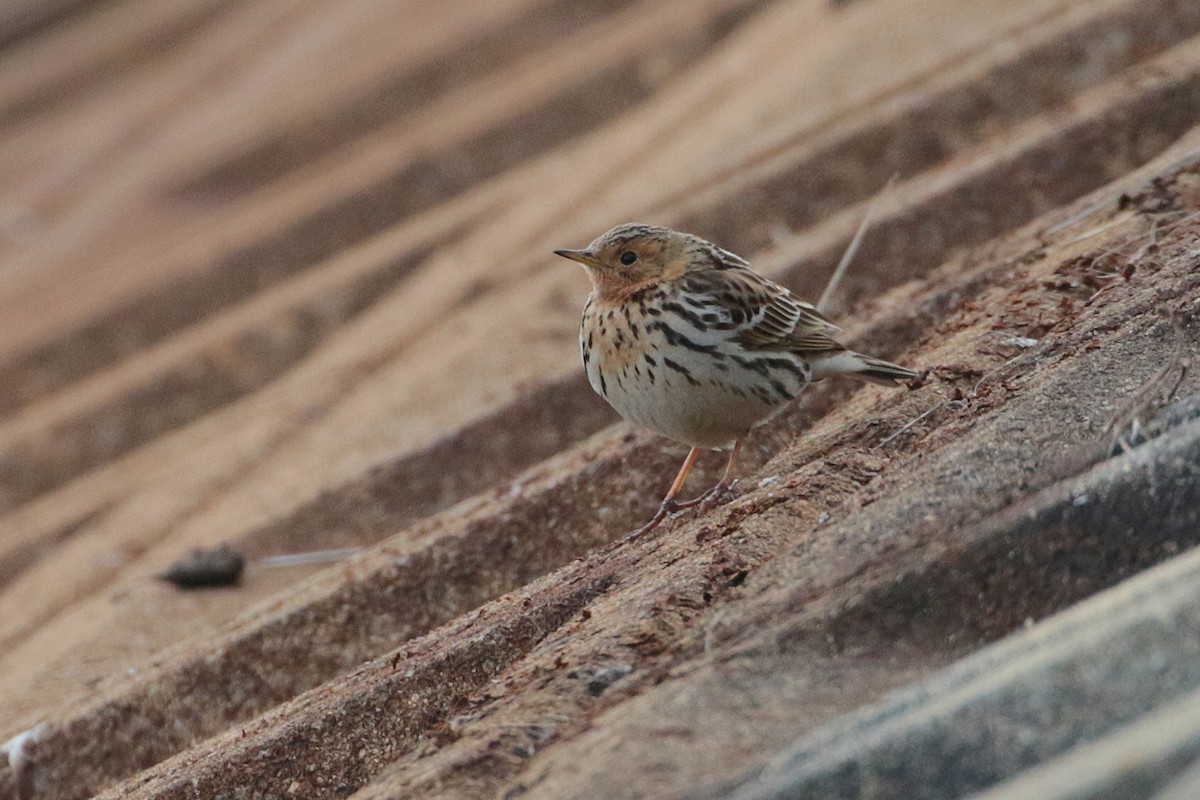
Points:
(277, 273)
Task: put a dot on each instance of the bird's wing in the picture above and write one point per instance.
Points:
(772, 317)
(784, 322)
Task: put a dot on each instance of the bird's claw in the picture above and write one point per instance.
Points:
(668, 508)
(718, 495)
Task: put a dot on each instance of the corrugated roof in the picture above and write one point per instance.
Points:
(279, 275)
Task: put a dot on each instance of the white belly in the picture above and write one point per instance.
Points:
(695, 384)
(686, 396)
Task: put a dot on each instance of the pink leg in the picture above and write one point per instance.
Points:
(723, 484)
(668, 504)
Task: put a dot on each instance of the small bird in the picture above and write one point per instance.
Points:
(685, 339)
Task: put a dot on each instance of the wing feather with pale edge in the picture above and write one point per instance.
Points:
(777, 319)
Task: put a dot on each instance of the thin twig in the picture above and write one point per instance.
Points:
(1129, 413)
(838, 274)
(975, 389)
(1082, 215)
(1151, 243)
(970, 395)
(913, 422)
(1172, 224)
(1155, 231)
(1098, 230)
(312, 557)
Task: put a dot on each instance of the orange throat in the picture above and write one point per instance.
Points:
(614, 290)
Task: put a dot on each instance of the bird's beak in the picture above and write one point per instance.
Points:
(585, 257)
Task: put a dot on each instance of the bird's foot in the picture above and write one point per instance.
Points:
(716, 496)
(665, 510)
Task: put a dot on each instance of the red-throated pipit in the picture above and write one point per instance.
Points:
(686, 339)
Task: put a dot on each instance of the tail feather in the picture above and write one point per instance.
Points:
(862, 367)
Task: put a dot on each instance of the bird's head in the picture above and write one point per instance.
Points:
(632, 256)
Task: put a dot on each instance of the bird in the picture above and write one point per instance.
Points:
(685, 338)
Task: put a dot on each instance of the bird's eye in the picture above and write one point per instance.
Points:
(628, 257)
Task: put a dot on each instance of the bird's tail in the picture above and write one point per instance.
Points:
(862, 367)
